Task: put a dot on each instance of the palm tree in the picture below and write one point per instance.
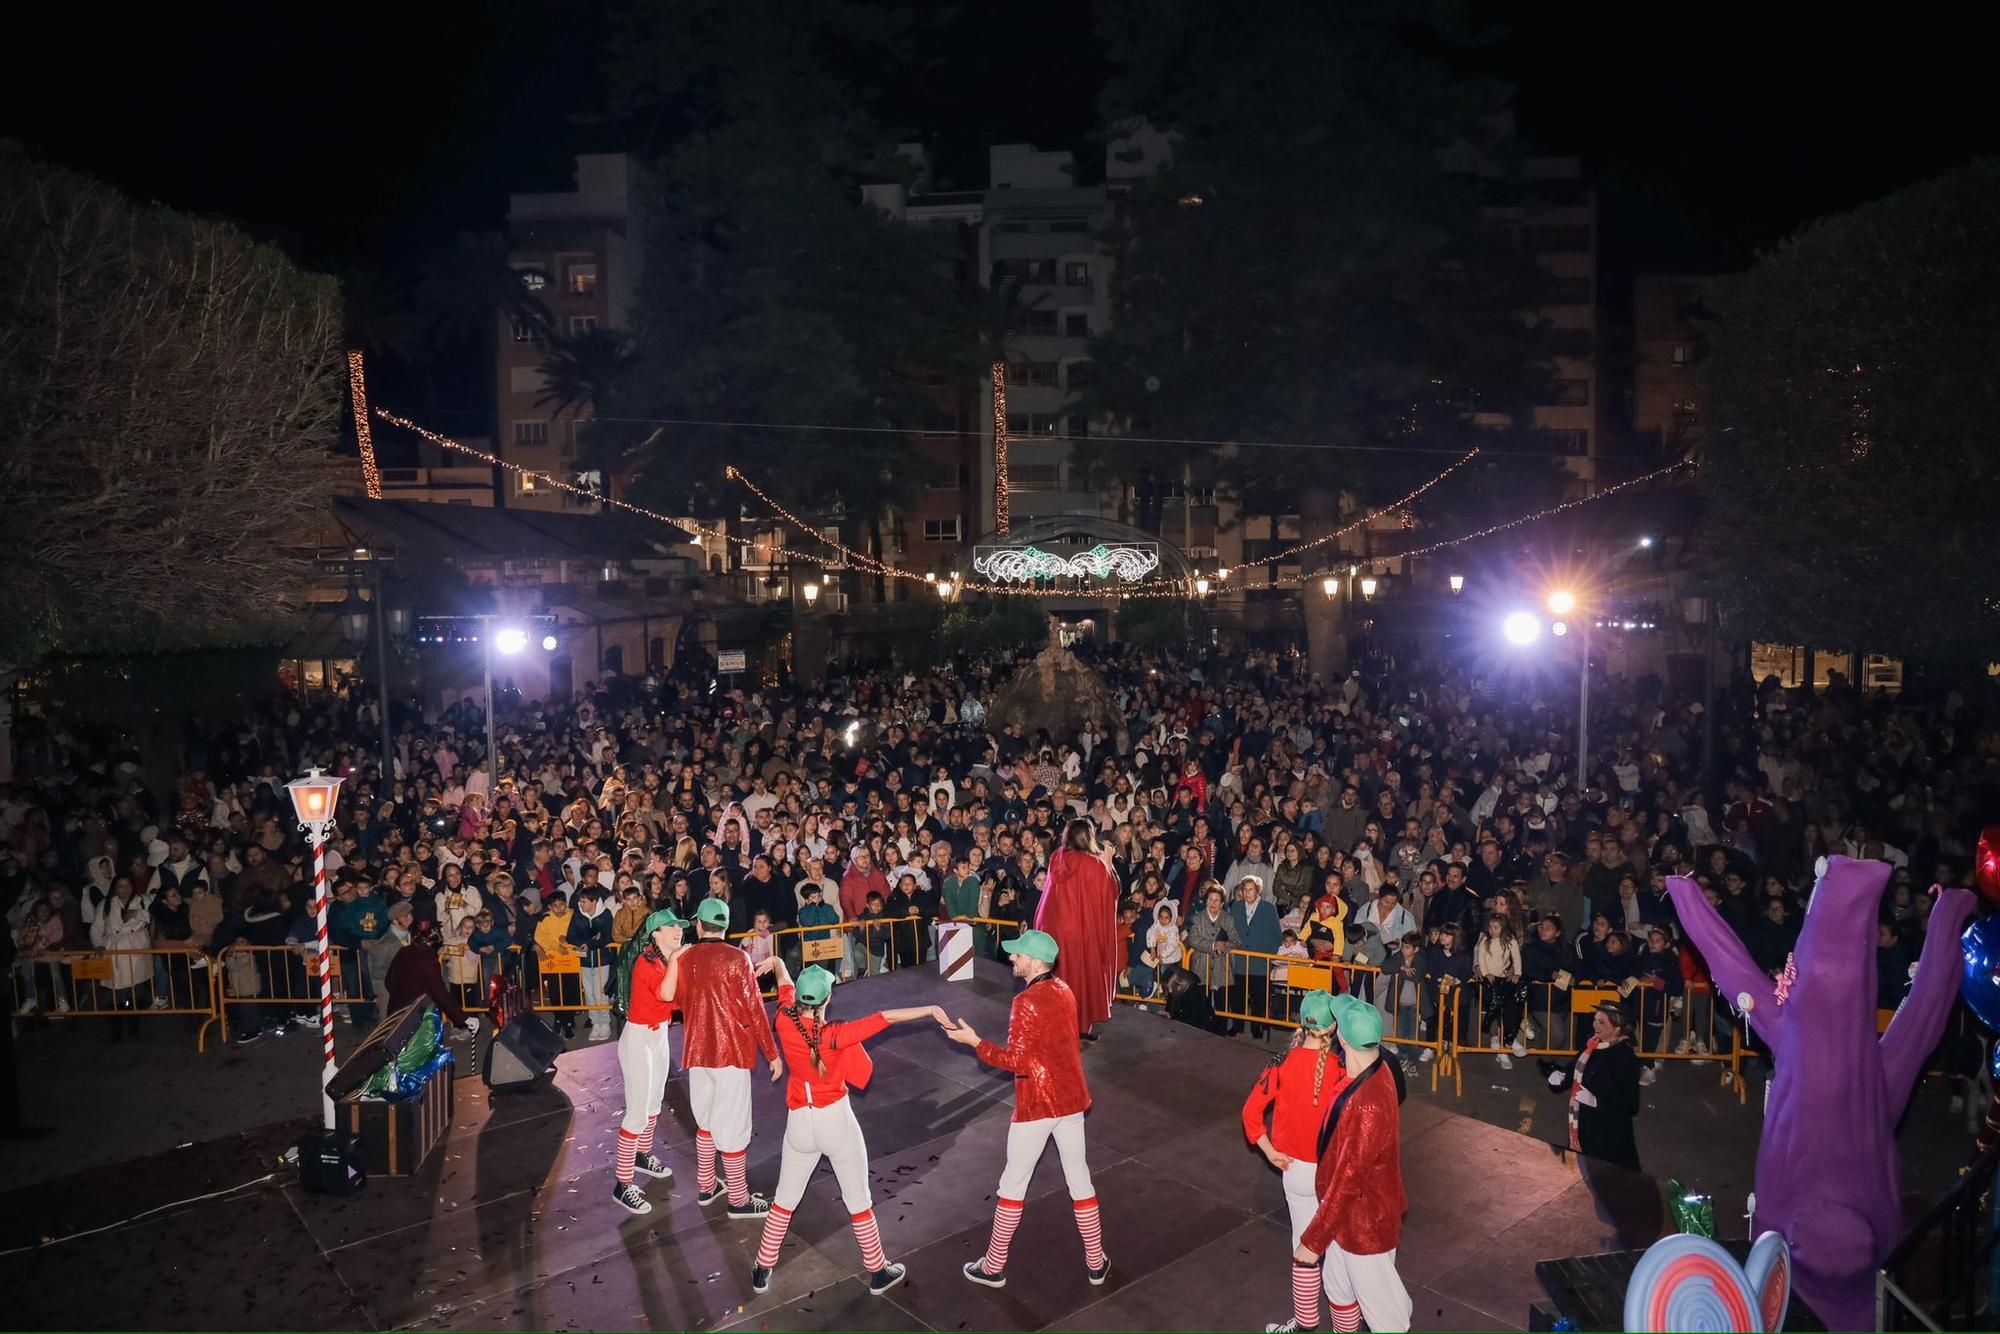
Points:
(471, 282)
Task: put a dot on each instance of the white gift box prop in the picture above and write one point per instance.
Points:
(954, 951)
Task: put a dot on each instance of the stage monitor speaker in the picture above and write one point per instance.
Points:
(521, 1055)
(330, 1162)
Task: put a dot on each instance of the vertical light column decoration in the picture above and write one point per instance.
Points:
(1000, 516)
(357, 390)
(313, 799)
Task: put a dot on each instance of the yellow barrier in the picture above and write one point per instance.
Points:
(1553, 1021)
(119, 984)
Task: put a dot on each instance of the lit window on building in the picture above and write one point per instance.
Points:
(580, 279)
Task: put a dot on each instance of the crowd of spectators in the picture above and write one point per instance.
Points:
(1421, 824)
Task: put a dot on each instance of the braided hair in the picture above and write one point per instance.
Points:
(1319, 1067)
(811, 1036)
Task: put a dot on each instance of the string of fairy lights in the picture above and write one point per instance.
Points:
(357, 389)
(1175, 587)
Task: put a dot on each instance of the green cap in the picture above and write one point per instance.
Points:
(1360, 1023)
(712, 912)
(1316, 1012)
(815, 984)
(1035, 944)
(657, 919)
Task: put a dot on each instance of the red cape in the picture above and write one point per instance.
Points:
(1079, 908)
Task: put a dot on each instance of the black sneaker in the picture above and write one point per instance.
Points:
(760, 1279)
(1099, 1274)
(651, 1166)
(976, 1271)
(245, 1039)
(754, 1207)
(628, 1198)
(712, 1194)
(885, 1278)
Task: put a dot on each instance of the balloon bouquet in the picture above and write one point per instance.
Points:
(1981, 984)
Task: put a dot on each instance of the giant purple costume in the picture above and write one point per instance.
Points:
(1827, 1171)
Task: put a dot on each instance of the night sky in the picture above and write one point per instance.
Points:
(360, 131)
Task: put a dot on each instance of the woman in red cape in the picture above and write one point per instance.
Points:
(1079, 908)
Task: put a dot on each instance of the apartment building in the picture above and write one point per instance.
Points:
(581, 253)
(1666, 334)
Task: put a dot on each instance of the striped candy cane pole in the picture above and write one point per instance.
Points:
(325, 974)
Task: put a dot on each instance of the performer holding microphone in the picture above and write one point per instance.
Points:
(1050, 1099)
(823, 1060)
(1295, 1092)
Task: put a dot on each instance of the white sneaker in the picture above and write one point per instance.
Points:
(1684, 1046)
(1506, 1061)
(1428, 1053)
(1520, 1047)
(1527, 1031)
(27, 1008)
(1648, 1075)
(62, 1005)
(1494, 1045)
(160, 1002)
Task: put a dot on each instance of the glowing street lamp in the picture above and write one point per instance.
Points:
(1368, 585)
(550, 643)
(1458, 583)
(1222, 575)
(313, 800)
(810, 592)
(944, 588)
(1562, 602)
(1201, 587)
(1330, 585)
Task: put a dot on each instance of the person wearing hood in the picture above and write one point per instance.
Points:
(1162, 950)
(96, 889)
(124, 923)
(1254, 919)
(246, 970)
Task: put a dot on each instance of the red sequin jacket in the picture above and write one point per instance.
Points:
(1042, 1052)
(718, 1000)
(1360, 1176)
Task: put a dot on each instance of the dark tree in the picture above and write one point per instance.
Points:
(773, 293)
(1320, 263)
(1850, 390)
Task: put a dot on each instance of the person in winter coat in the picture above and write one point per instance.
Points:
(173, 976)
(1603, 1085)
(1293, 875)
(124, 922)
(1447, 967)
(1496, 966)
(1209, 935)
(1661, 987)
(1162, 950)
(589, 935)
(1548, 967)
(1254, 918)
(250, 969)
(96, 889)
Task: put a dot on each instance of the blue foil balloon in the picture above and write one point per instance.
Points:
(1981, 984)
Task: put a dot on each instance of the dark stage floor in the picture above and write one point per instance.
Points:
(511, 1225)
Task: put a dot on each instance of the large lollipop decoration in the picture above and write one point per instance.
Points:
(1980, 986)
(1686, 1282)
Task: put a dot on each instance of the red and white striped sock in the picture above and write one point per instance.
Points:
(737, 1178)
(628, 1149)
(776, 1224)
(870, 1238)
(646, 1135)
(1006, 1217)
(1305, 1295)
(1091, 1230)
(1347, 1319)
(704, 1162)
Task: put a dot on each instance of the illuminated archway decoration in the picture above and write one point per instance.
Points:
(1024, 564)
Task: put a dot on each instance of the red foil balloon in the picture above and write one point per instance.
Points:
(1986, 863)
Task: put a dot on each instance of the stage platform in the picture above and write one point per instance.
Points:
(511, 1224)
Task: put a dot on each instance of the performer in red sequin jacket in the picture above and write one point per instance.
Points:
(1041, 1052)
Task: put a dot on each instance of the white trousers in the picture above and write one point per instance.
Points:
(832, 1133)
(1370, 1280)
(1025, 1142)
(720, 1098)
(645, 1059)
(1301, 1195)
(593, 994)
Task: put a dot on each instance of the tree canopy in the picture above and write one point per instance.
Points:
(1854, 426)
(1318, 264)
(168, 391)
(772, 293)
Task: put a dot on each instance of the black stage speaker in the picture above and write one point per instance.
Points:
(330, 1162)
(521, 1055)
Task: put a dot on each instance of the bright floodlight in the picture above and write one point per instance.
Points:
(1562, 601)
(1521, 627)
(1559, 629)
(1646, 541)
(549, 643)
(511, 640)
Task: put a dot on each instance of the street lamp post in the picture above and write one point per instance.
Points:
(313, 798)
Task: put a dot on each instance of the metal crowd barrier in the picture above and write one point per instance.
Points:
(83, 984)
(1485, 1019)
